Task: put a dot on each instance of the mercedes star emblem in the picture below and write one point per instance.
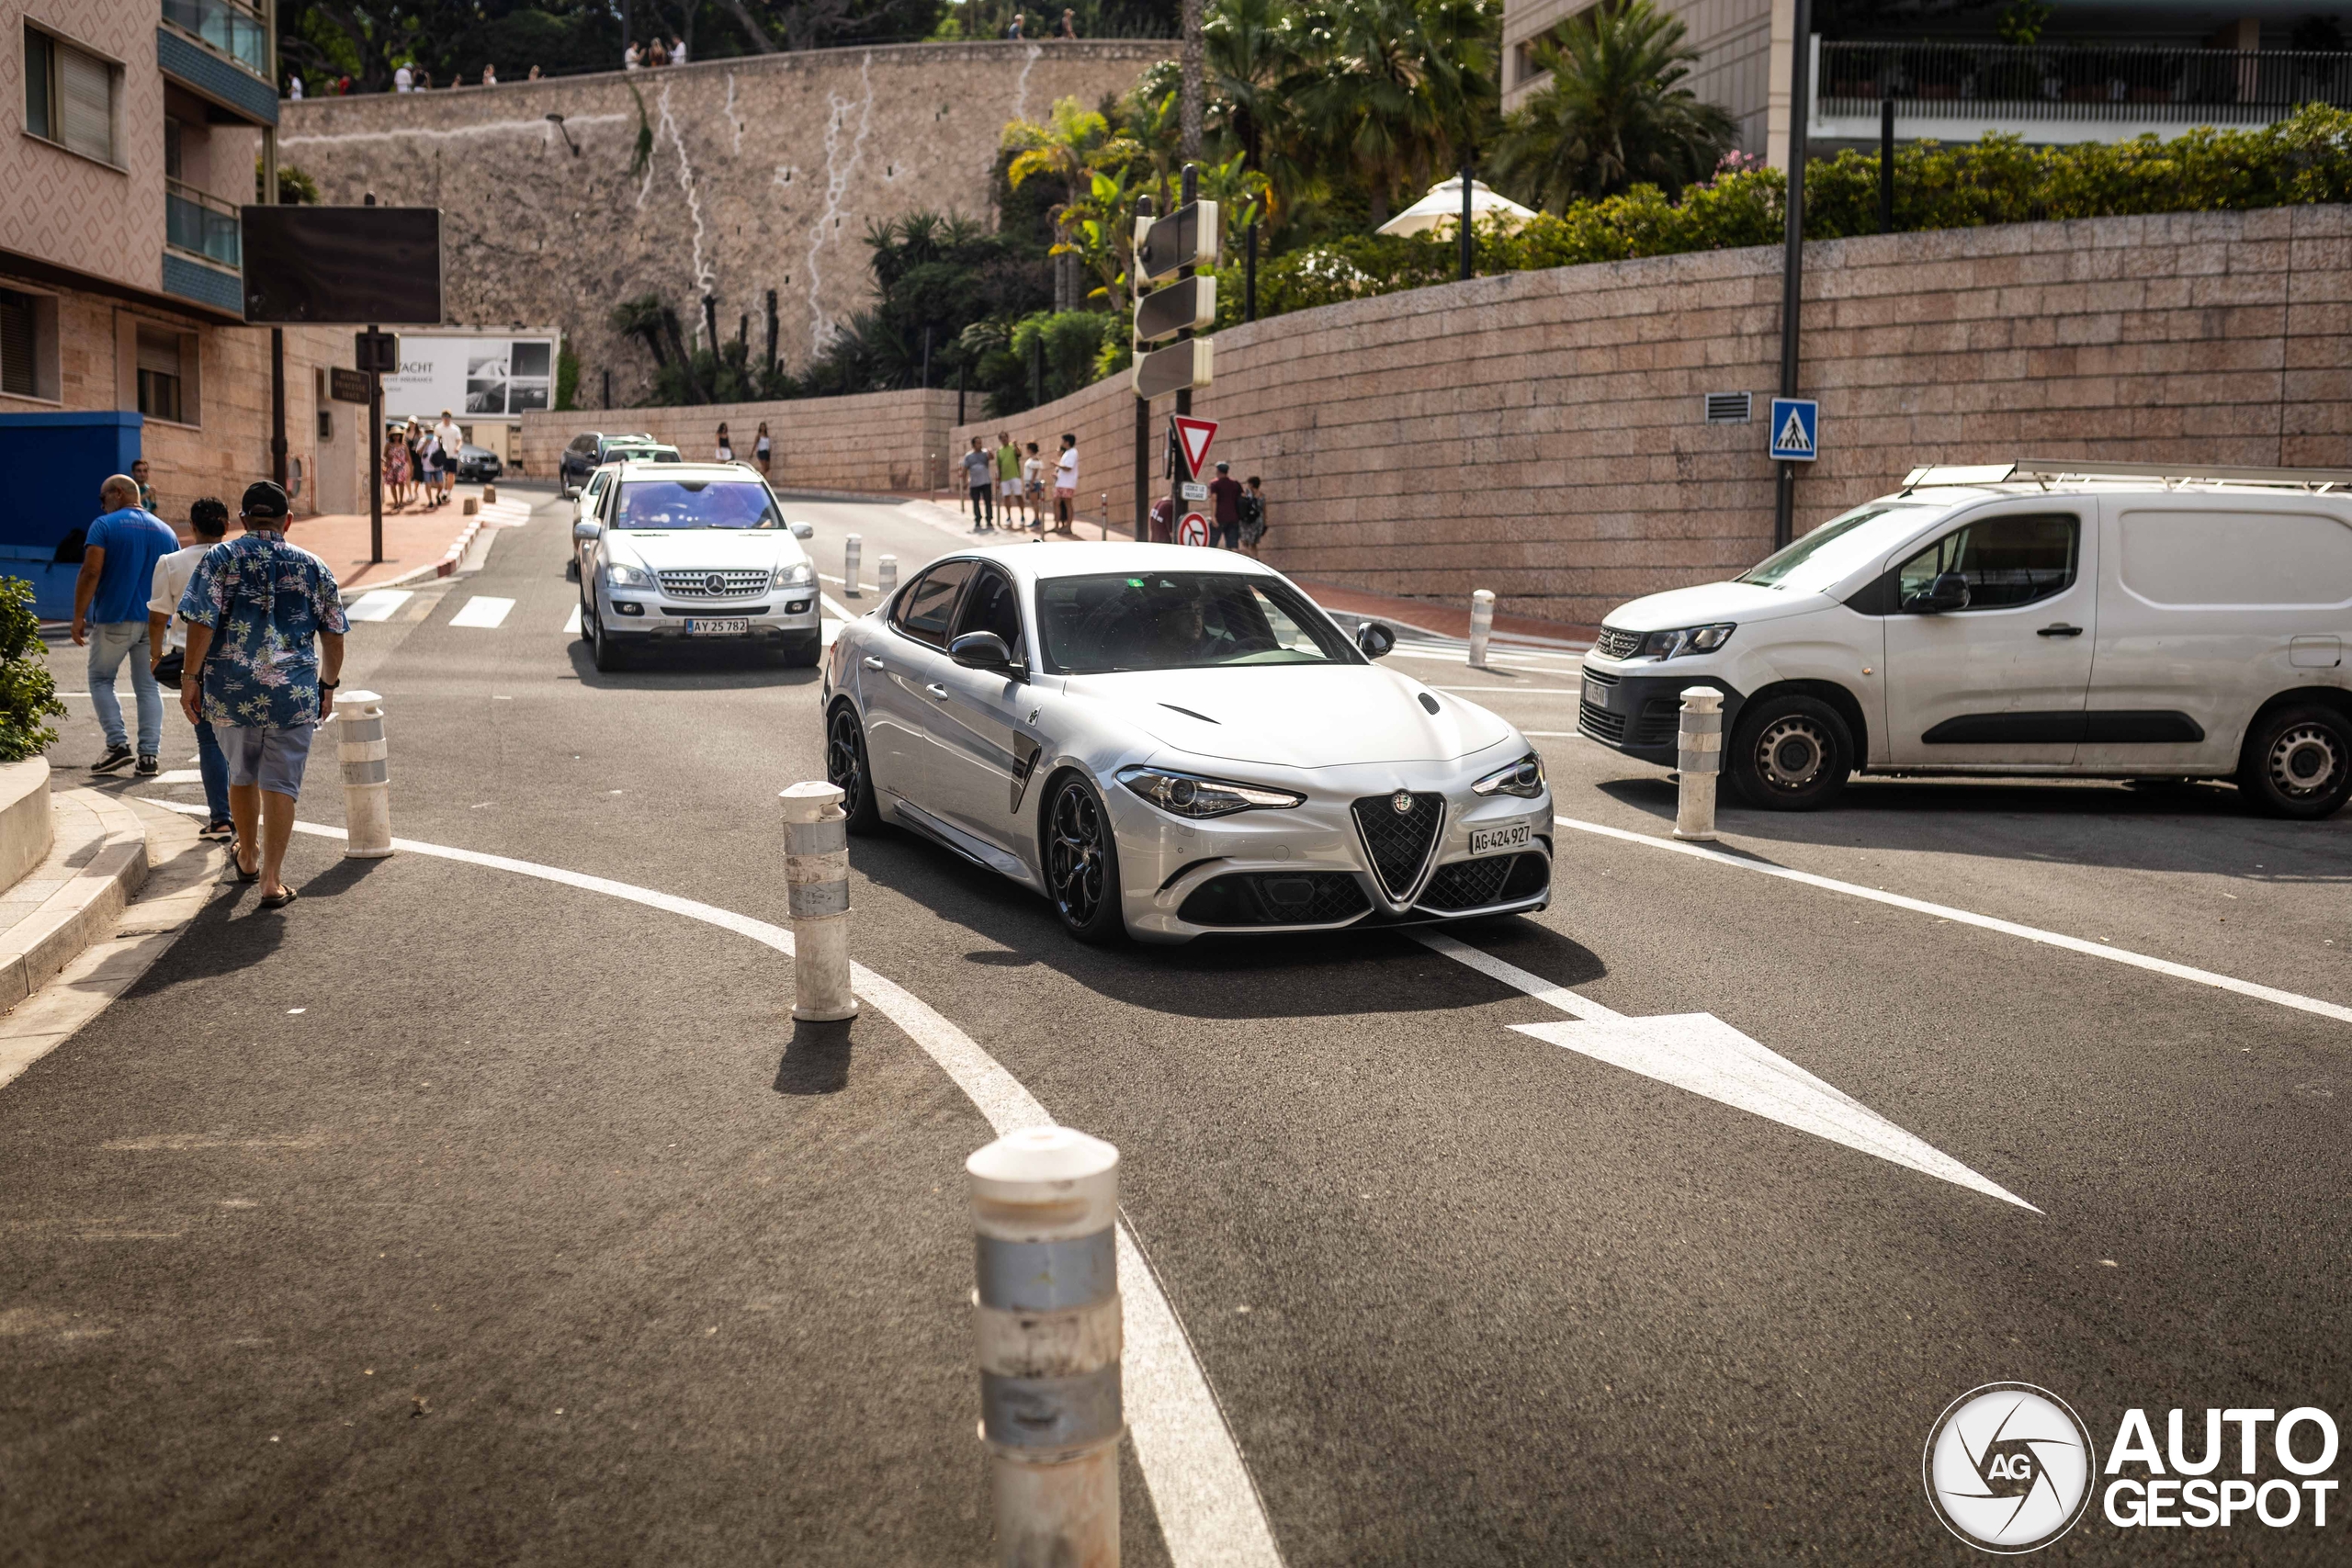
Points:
(1401, 802)
(715, 583)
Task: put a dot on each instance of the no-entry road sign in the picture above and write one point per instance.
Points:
(1192, 438)
(1193, 530)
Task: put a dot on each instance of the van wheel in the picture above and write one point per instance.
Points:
(2298, 763)
(1790, 753)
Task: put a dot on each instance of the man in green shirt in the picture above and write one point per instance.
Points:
(1007, 474)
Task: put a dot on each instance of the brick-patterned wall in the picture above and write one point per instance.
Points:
(881, 442)
(1539, 433)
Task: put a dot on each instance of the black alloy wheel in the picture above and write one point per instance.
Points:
(2298, 763)
(1082, 863)
(1790, 753)
(845, 769)
(608, 656)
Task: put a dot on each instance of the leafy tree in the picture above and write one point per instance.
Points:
(1395, 90)
(27, 692)
(1615, 114)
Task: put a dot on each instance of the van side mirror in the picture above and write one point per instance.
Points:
(985, 650)
(1947, 591)
(804, 530)
(586, 531)
(1374, 638)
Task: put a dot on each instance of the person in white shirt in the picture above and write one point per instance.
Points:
(677, 51)
(726, 452)
(209, 520)
(1066, 485)
(632, 58)
(294, 85)
(762, 448)
(452, 440)
(489, 75)
(404, 80)
(1032, 485)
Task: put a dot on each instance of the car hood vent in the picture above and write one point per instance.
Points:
(1187, 713)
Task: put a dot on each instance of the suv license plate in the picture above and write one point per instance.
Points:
(1492, 841)
(737, 626)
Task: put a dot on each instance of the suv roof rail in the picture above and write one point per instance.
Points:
(2170, 475)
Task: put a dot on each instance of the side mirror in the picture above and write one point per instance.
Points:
(1947, 591)
(983, 651)
(586, 531)
(804, 530)
(1374, 638)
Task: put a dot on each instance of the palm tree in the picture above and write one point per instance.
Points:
(1615, 114)
(1394, 89)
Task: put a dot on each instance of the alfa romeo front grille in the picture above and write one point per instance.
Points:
(1476, 884)
(1616, 642)
(713, 584)
(1276, 898)
(1399, 842)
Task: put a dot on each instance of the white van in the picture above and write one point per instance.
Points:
(2107, 621)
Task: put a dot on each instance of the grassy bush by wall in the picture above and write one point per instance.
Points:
(27, 694)
(2307, 159)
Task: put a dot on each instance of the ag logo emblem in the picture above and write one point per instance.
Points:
(2008, 1468)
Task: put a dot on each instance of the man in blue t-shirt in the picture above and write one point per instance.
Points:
(110, 616)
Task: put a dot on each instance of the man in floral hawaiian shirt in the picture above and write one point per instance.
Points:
(264, 648)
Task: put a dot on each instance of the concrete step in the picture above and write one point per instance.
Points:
(97, 864)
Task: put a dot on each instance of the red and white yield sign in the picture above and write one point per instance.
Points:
(1194, 529)
(1193, 437)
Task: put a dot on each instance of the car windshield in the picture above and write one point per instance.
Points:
(642, 454)
(1837, 547)
(696, 504)
(1180, 620)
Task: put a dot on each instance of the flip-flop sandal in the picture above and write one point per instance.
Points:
(216, 831)
(238, 861)
(277, 900)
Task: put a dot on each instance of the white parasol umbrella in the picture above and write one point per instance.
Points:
(1443, 204)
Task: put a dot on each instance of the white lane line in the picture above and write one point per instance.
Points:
(377, 603)
(2337, 1011)
(1510, 973)
(1209, 1510)
(571, 621)
(482, 611)
(834, 607)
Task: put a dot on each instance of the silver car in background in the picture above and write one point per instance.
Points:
(1168, 742)
(680, 552)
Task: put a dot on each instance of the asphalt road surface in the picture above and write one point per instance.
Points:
(457, 1215)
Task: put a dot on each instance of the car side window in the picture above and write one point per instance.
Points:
(992, 605)
(922, 610)
(2007, 561)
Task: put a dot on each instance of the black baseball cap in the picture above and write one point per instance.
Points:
(263, 498)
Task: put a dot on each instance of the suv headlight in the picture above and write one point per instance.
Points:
(801, 575)
(1189, 795)
(1525, 777)
(1687, 639)
(620, 574)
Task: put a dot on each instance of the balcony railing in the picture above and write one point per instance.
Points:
(201, 225)
(2077, 81)
(231, 28)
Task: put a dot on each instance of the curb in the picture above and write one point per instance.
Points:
(83, 911)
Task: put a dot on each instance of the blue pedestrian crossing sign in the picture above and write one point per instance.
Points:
(1796, 426)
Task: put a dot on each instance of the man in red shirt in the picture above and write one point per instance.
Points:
(1226, 492)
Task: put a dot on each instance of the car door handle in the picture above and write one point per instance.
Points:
(2058, 628)
(871, 663)
(937, 691)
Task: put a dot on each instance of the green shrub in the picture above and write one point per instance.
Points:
(27, 694)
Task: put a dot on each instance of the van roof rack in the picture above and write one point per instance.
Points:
(2173, 476)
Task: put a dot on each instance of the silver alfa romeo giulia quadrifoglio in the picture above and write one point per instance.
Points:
(1172, 742)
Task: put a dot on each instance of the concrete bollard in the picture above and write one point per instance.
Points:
(1044, 1200)
(1700, 761)
(851, 546)
(490, 495)
(816, 877)
(886, 574)
(367, 775)
(473, 507)
(1482, 626)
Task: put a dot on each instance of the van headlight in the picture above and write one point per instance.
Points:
(1523, 778)
(1687, 639)
(800, 574)
(1189, 795)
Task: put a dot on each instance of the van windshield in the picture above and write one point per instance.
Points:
(1833, 550)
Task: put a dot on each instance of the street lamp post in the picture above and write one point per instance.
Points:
(1792, 261)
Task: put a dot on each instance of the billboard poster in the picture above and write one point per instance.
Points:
(475, 376)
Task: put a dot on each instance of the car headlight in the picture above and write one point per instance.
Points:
(1525, 777)
(1686, 640)
(620, 574)
(1189, 795)
(801, 575)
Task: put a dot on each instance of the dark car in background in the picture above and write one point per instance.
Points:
(591, 450)
(478, 465)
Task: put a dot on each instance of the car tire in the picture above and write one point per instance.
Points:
(601, 646)
(846, 769)
(801, 655)
(1790, 753)
(572, 570)
(2298, 763)
(1081, 856)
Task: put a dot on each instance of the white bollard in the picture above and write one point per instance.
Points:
(851, 546)
(885, 572)
(367, 775)
(1700, 761)
(816, 877)
(1482, 626)
(1044, 1200)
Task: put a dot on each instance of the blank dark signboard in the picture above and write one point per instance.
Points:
(342, 266)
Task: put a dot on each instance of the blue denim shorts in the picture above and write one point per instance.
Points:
(272, 759)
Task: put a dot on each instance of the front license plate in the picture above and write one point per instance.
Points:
(1595, 694)
(735, 627)
(1494, 840)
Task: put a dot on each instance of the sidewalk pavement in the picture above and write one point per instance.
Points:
(415, 543)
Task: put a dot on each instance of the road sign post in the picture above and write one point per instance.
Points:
(1184, 246)
(374, 353)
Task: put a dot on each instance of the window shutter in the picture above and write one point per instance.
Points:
(87, 94)
(16, 328)
(158, 351)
